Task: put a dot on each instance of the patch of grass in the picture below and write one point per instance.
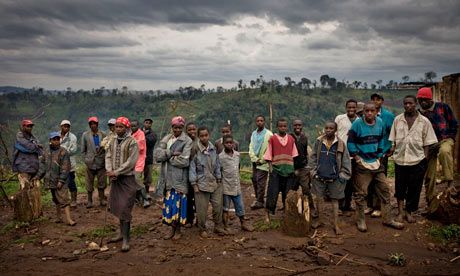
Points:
(41, 219)
(110, 231)
(246, 176)
(139, 230)
(274, 223)
(14, 225)
(445, 233)
(391, 168)
(30, 239)
(397, 259)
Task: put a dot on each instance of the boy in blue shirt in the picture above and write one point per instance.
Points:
(366, 146)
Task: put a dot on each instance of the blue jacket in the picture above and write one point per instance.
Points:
(387, 118)
(204, 169)
(25, 154)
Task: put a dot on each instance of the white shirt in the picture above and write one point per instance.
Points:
(343, 126)
(409, 143)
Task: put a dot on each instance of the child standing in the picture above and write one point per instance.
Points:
(280, 154)
(219, 143)
(205, 177)
(55, 167)
(330, 168)
(230, 165)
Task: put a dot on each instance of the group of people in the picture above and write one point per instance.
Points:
(347, 161)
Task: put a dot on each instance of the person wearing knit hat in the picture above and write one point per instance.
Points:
(445, 126)
(120, 161)
(55, 169)
(173, 152)
(25, 154)
(93, 154)
(69, 142)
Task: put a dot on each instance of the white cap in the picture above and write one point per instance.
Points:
(65, 122)
(112, 122)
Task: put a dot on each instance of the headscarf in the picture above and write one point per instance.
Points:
(178, 121)
(124, 121)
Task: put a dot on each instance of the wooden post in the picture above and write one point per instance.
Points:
(271, 118)
(296, 216)
(27, 203)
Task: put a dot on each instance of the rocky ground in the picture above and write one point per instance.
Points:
(47, 248)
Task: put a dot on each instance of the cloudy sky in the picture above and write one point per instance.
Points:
(164, 44)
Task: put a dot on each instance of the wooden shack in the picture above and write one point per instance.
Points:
(448, 91)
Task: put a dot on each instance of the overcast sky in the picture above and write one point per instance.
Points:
(165, 44)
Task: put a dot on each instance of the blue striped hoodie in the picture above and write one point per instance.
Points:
(365, 140)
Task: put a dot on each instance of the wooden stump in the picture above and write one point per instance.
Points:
(296, 217)
(27, 204)
(445, 208)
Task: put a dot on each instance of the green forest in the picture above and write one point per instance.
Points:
(314, 106)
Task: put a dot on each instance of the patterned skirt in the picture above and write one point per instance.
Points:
(174, 208)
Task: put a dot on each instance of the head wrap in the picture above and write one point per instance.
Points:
(177, 121)
(54, 134)
(425, 93)
(27, 122)
(124, 121)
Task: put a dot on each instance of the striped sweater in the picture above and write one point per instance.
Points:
(366, 141)
(281, 154)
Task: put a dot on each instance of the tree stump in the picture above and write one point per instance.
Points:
(296, 217)
(27, 203)
(445, 208)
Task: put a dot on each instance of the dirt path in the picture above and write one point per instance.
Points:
(24, 252)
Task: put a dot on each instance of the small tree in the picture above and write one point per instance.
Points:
(430, 76)
(405, 78)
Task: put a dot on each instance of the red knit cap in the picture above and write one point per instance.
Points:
(425, 93)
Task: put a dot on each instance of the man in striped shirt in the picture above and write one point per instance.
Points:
(366, 145)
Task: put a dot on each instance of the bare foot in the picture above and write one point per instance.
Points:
(267, 219)
(410, 218)
(399, 217)
(337, 230)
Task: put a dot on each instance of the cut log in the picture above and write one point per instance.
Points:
(296, 217)
(445, 207)
(27, 204)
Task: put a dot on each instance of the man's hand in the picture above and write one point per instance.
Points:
(195, 189)
(113, 178)
(357, 158)
(258, 163)
(176, 153)
(60, 184)
(110, 174)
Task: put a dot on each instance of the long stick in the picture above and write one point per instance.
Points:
(105, 223)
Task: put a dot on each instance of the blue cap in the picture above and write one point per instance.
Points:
(54, 134)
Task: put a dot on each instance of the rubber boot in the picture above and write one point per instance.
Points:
(361, 217)
(387, 219)
(70, 222)
(245, 225)
(89, 204)
(147, 191)
(73, 197)
(102, 201)
(119, 236)
(145, 199)
(126, 226)
(227, 229)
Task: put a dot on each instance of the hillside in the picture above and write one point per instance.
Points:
(314, 107)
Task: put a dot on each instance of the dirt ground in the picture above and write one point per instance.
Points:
(47, 248)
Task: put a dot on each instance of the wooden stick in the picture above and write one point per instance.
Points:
(454, 259)
(279, 267)
(335, 255)
(343, 258)
(314, 234)
(307, 270)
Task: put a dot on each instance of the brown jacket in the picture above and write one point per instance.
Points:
(128, 152)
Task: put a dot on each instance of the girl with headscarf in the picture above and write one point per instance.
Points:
(120, 161)
(173, 152)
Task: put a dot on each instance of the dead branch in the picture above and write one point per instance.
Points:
(279, 267)
(343, 258)
(454, 259)
(335, 255)
(307, 270)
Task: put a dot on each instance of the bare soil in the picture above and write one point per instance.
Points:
(47, 248)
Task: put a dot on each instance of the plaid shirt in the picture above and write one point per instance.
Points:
(443, 120)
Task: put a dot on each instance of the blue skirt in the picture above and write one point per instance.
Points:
(174, 208)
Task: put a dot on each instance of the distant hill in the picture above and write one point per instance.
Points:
(313, 106)
(11, 89)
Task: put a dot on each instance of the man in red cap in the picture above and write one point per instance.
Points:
(445, 126)
(94, 157)
(25, 154)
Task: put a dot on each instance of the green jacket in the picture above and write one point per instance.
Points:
(263, 149)
(55, 167)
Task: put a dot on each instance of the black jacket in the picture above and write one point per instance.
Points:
(150, 140)
(301, 160)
